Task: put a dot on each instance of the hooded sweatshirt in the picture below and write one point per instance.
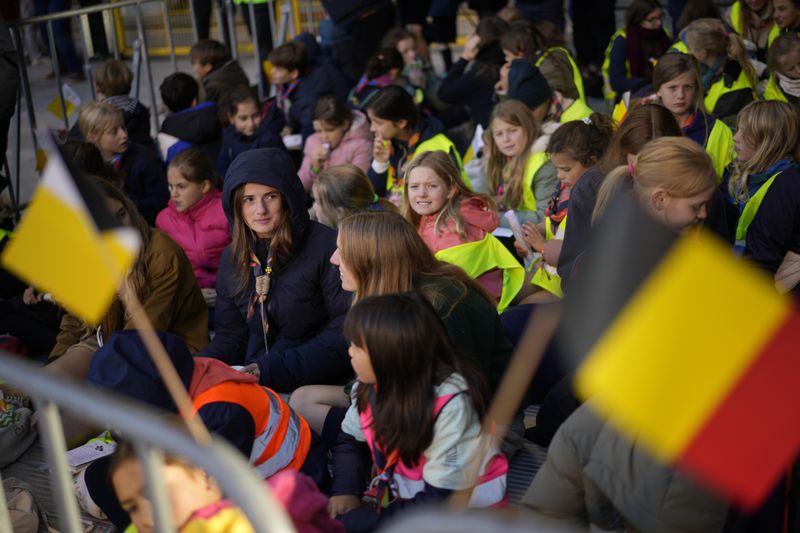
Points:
(198, 126)
(305, 304)
(479, 220)
(354, 148)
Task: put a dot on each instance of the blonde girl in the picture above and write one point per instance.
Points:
(766, 137)
(673, 177)
(447, 214)
(677, 86)
(519, 180)
(728, 78)
(343, 190)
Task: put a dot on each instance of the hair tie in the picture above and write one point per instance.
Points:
(630, 168)
(587, 121)
(375, 198)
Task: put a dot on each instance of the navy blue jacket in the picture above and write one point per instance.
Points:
(473, 88)
(427, 127)
(124, 366)
(234, 143)
(198, 125)
(321, 79)
(305, 304)
(145, 179)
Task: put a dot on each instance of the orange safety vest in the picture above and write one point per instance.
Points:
(282, 437)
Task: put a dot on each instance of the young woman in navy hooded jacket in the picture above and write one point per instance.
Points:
(280, 305)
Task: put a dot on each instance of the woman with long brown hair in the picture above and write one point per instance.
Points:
(280, 305)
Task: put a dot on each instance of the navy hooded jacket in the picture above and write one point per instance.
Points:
(306, 304)
(123, 365)
(266, 136)
(198, 125)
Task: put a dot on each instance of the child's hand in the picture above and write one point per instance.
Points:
(253, 369)
(533, 236)
(31, 297)
(501, 87)
(552, 250)
(341, 504)
(320, 156)
(471, 48)
(380, 150)
(522, 250)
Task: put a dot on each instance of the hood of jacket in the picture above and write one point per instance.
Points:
(359, 129)
(313, 50)
(123, 365)
(477, 213)
(198, 124)
(274, 168)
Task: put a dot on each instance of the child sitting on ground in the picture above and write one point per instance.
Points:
(784, 65)
(341, 136)
(416, 409)
(194, 217)
(145, 179)
(213, 66)
(247, 130)
(382, 70)
(343, 190)
(191, 122)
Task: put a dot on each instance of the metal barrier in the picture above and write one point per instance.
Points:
(151, 433)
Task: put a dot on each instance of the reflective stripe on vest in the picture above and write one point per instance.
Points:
(282, 438)
(577, 79)
(608, 93)
(478, 257)
(578, 110)
(490, 490)
(750, 210)
(549, 281)
(718, 89)
(438, 143)
(535, 162)
(719, 147)
(773, 91)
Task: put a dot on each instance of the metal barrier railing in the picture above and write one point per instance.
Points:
(151, 433)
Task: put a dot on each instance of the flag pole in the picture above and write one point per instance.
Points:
(165, 368)
(516, 379)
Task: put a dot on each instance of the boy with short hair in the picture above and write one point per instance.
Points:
(191, 123)
(112, 83)
(213, 66)
(300, 84)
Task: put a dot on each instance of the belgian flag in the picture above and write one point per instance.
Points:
(68, 244)
(691, 351)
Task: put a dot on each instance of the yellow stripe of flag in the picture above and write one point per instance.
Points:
(680, 344)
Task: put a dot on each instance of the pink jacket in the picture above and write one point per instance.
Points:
(479, 221)
(202, 231)
(355, 148)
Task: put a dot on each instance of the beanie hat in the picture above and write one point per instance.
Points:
(527, 84)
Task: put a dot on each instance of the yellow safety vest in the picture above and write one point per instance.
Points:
(577, 79)
(736, 17)
(608, 93)
(479, 257)
(542, 278)
(578, 110)
(719, 147)
(750, 210)
(774, 32)
(535, 162)
(678, 47)
(718, 89)
(621, 108)
(438, 143)
(773, 91)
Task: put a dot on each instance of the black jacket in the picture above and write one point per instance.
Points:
(305, 304)
(473, 87)
(220, 82)
(198, 125)
(145, 180)
(320, 80)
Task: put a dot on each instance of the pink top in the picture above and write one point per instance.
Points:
(202, 231)
(479, 221)
(355, 148)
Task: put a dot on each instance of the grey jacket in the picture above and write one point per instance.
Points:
(594, 475)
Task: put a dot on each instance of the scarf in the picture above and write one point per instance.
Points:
(788, 85)
(645, 46)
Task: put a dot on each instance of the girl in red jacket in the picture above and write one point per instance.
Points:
(194, 217)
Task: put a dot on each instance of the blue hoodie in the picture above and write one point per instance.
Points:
(305, 304)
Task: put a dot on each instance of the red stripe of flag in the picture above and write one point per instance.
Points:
(747, 442)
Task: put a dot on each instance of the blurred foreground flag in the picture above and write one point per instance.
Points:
(68, 244)
(690, 351)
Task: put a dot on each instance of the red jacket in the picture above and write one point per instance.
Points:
(202, 231)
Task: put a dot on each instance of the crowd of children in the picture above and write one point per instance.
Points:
(363, 248)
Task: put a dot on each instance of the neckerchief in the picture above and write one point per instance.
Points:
(383, 488)
(263, 277)
(283, 97)
(399, 182)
